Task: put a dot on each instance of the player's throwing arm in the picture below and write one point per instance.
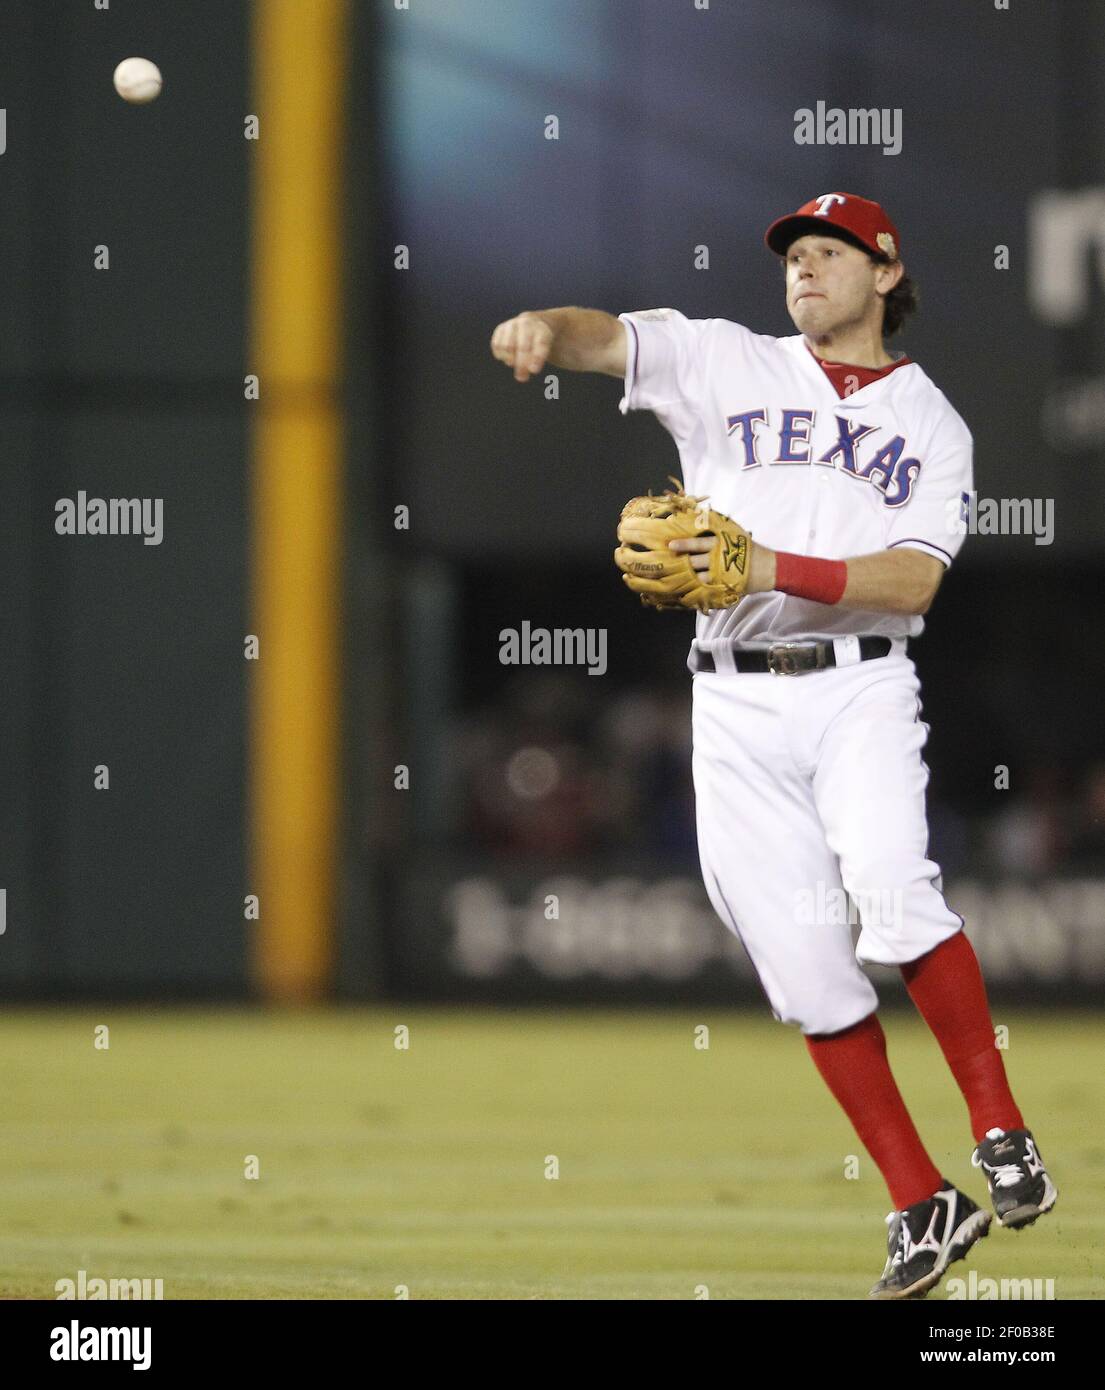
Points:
(580, 340)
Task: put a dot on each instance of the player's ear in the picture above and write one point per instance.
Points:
(890, 272)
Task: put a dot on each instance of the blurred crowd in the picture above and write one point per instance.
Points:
(1054, 821)
(557, 767)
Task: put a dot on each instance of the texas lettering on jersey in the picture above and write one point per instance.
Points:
(764, 431)
(887, 467)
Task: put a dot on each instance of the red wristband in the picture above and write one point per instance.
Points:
(804, 576)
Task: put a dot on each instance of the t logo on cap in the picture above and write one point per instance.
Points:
(825, 203)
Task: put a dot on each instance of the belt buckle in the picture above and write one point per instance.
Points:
(783, 658)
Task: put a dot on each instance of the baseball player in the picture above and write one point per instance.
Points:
(848, 466)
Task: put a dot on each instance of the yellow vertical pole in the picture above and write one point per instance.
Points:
(299, 51)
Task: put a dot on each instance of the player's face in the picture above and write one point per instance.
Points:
(830, 285)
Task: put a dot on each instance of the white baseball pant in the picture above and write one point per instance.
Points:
(810, 796)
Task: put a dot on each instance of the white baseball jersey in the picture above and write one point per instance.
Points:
(763, 433)
(810, 789)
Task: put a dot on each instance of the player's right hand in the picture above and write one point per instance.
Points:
(524, 343)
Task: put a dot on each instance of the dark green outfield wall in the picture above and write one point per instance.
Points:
(124, 382)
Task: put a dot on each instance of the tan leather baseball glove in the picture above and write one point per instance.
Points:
(666, 579)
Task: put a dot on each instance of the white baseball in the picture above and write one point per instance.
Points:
(137, 80)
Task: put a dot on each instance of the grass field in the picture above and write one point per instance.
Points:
(426, 1167)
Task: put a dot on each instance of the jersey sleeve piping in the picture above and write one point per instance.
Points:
(915, 543)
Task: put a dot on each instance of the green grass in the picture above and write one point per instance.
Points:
(426, 1167)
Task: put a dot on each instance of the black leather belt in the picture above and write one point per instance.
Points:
(790, 658)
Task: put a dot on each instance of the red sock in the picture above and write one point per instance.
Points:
(854, 1067)
(947, 987)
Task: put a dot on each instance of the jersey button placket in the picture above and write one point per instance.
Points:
(818, 472)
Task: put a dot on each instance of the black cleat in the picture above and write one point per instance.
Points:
(1020, 1187)
(925, 1238)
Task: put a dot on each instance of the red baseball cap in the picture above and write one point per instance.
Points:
(858, 219)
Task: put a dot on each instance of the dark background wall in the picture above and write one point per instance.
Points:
(125, 382)
(675, 132)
